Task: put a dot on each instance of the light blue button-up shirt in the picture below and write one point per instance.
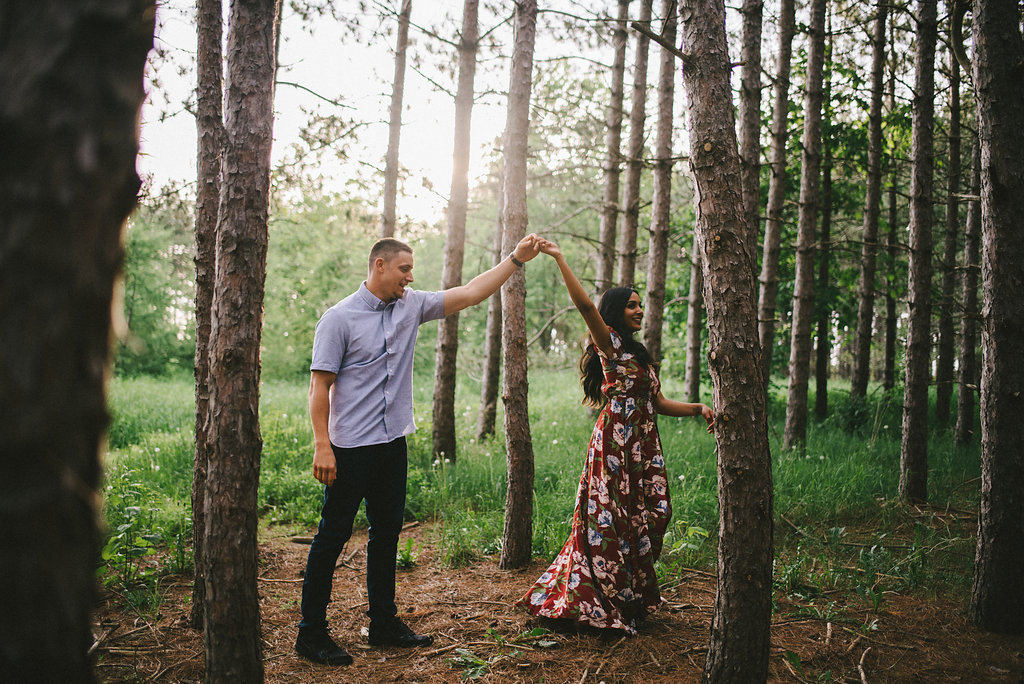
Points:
(368, 344)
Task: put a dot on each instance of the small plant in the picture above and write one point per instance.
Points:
(407, 554)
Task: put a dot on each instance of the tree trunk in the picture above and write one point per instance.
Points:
(944, 360)
(517, 538)
(997, 598)
(492, 337)
(661, 204)
(738, 649)
(613, 157)
(694, 325)
(968, 371)
(387, 228)
(454, 244)
(892, 237)
(232, 636)
(776, 189)
(823, 350)
(803, 287)
(635, 150)
(872, 209)
(750, 115)
(69, 141)
(210, 136)
(914, 446)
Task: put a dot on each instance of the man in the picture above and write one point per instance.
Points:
(360, 404)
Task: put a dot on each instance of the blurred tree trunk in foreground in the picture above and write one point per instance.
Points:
(72, 76)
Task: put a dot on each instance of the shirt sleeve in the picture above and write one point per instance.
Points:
(616, 346)
(431, 305)
(328, 343)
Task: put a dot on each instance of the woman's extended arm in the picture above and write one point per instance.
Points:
(591, 316)
(681, 409)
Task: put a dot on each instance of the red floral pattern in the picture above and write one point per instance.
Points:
(604, 575)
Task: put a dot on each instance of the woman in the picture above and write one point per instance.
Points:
(604, 576)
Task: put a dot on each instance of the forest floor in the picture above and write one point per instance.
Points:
(478, 633)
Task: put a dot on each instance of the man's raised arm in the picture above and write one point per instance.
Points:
(487, 283)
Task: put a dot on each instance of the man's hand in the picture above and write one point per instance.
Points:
(325, 466)
(527, 248)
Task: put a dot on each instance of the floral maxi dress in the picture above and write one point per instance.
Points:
(604, 575)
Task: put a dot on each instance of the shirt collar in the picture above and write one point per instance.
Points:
(371, 300)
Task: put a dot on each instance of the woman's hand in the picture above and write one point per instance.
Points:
(708, 414)
(548, 247)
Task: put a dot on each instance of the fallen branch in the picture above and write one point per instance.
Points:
(860, 666)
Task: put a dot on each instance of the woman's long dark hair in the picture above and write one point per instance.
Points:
(612, 307)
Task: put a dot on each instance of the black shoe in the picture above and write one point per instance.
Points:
(395, 633)
(317, 645)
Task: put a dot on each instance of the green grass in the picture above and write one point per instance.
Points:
(838, 521)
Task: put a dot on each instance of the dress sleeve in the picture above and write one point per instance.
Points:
(616, 346)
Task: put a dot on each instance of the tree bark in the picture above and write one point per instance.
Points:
(997, 597)
(210, 137)
(69, 139)
(750, 114)
(234, 650)
(872, 210)
(968, 363)
(694, 325)
(914, 446)
(944, 359)
(661, 204)
(492, 336)
(517, 538)
(387, 228)
(892, 237)
(823, 348)
(776, 188)
(613, 156)
(634, 152)
(454, 245)
(738, 649)
(803, 289)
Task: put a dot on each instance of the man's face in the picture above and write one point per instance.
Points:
(394, 276)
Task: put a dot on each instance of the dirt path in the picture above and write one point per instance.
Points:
(471, 608)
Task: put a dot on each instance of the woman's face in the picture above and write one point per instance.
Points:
(633, 315)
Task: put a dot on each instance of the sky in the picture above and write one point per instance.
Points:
(327, 61)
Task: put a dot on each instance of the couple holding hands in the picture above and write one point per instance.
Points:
(360, 403)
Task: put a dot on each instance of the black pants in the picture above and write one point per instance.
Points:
(376, 473)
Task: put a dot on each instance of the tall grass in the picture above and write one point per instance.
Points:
(845, 478)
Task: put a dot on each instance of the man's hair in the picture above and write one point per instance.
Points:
(386, 249)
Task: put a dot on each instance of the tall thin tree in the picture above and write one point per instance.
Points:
(892, 242)
(944, 359)
(738, 649)
(914, 444)
(823, 307)
(997, 596)
(613, 155)
(387, 227)
(750, 112)
(803, 288)
(72, 72)
(634, 151)
(769, 280)
(968, 359)
(872, 210)
(661, 203)
(492, 335)
(232, 613)
(454, 245)
(210, 139)
(517, 537)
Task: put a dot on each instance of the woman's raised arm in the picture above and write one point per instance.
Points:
(584, 304)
